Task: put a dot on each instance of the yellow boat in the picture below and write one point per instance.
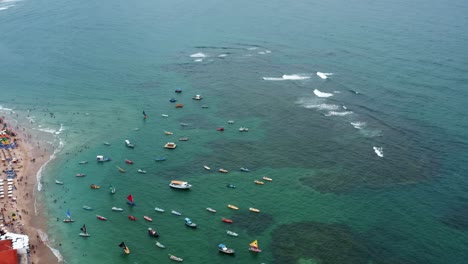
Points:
(255, 210)
(168, 133)
(223, 170)
(94, 186)
(233, 207)
(120, 169)
(259, 182)
(267, 179)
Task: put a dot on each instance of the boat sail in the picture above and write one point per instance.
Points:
(254, 247)
(112, 189)
(68, 219)
(130, 200)
(125, 248)
(84, 232)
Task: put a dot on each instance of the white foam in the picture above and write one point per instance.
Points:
(267, 51)
(261, 52)
(45, 240)
(52, 157)
(314, 103)
(5, 109)
(322, 94)
(288, 77)
(378, 151)
(358, 124)
(222, 55)
(198, 55)
(335, 113)
(5, 7)
(198, 60)
(295, 77)
(273, 79)
(252, 48)
(324, 75)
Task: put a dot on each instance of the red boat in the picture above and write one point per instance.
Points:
(220, 129)
(128, 161)
(131, 217)
(100, 217)
(225, 220)
(147, 218)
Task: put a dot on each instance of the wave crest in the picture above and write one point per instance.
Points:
(322, 94)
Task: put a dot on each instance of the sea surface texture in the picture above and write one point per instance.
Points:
(355, 109)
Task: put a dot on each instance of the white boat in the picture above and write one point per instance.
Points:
(206, 167)
(58, 182)
(231, 122)
(117, 209)
(159, 209)
(129, 144)
(164, 115)
(197, 97)
(101, 158)
(175, 212)
(231, 233)
(83, 162)
(243, 129)
(180, 185)
(211, 209)
(160, 245)
(141, 171)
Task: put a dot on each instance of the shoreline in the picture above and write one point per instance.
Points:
(30, 157)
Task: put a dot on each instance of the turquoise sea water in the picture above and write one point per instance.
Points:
(83, 72)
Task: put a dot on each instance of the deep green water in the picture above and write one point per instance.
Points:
(398, 82)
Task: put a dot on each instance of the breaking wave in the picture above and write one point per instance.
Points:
(313, 103)
(378, 151)
(291, 77)
(322, 94)
(358, 124)
(324, 75)
(45, 240)
(198, 55)
(335, 113)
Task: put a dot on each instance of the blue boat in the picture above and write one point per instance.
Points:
(173, 100)
(244, 169)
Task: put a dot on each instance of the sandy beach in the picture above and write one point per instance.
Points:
(25, 159)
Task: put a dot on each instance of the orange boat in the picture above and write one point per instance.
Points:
(259, 182)
(94, 186)
(128, 161)
(179, 105)
(223, 170)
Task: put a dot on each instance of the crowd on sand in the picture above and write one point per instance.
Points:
(21, 157)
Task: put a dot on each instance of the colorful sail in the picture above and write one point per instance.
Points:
(83, 229)
(254, 244)
(68, 214)
(130, 200)
(144, 115)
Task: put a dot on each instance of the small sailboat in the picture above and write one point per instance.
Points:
(84, 232)
(254, 247)
(144, 115)
(68, 219)
(125, 248)
(129, 144)
(112, 189)
(130, 200)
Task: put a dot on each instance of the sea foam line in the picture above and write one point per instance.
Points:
(199, 55)
(324, 75)
(288, 77)
(45, 239)
(335, 113)
(322, 94)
